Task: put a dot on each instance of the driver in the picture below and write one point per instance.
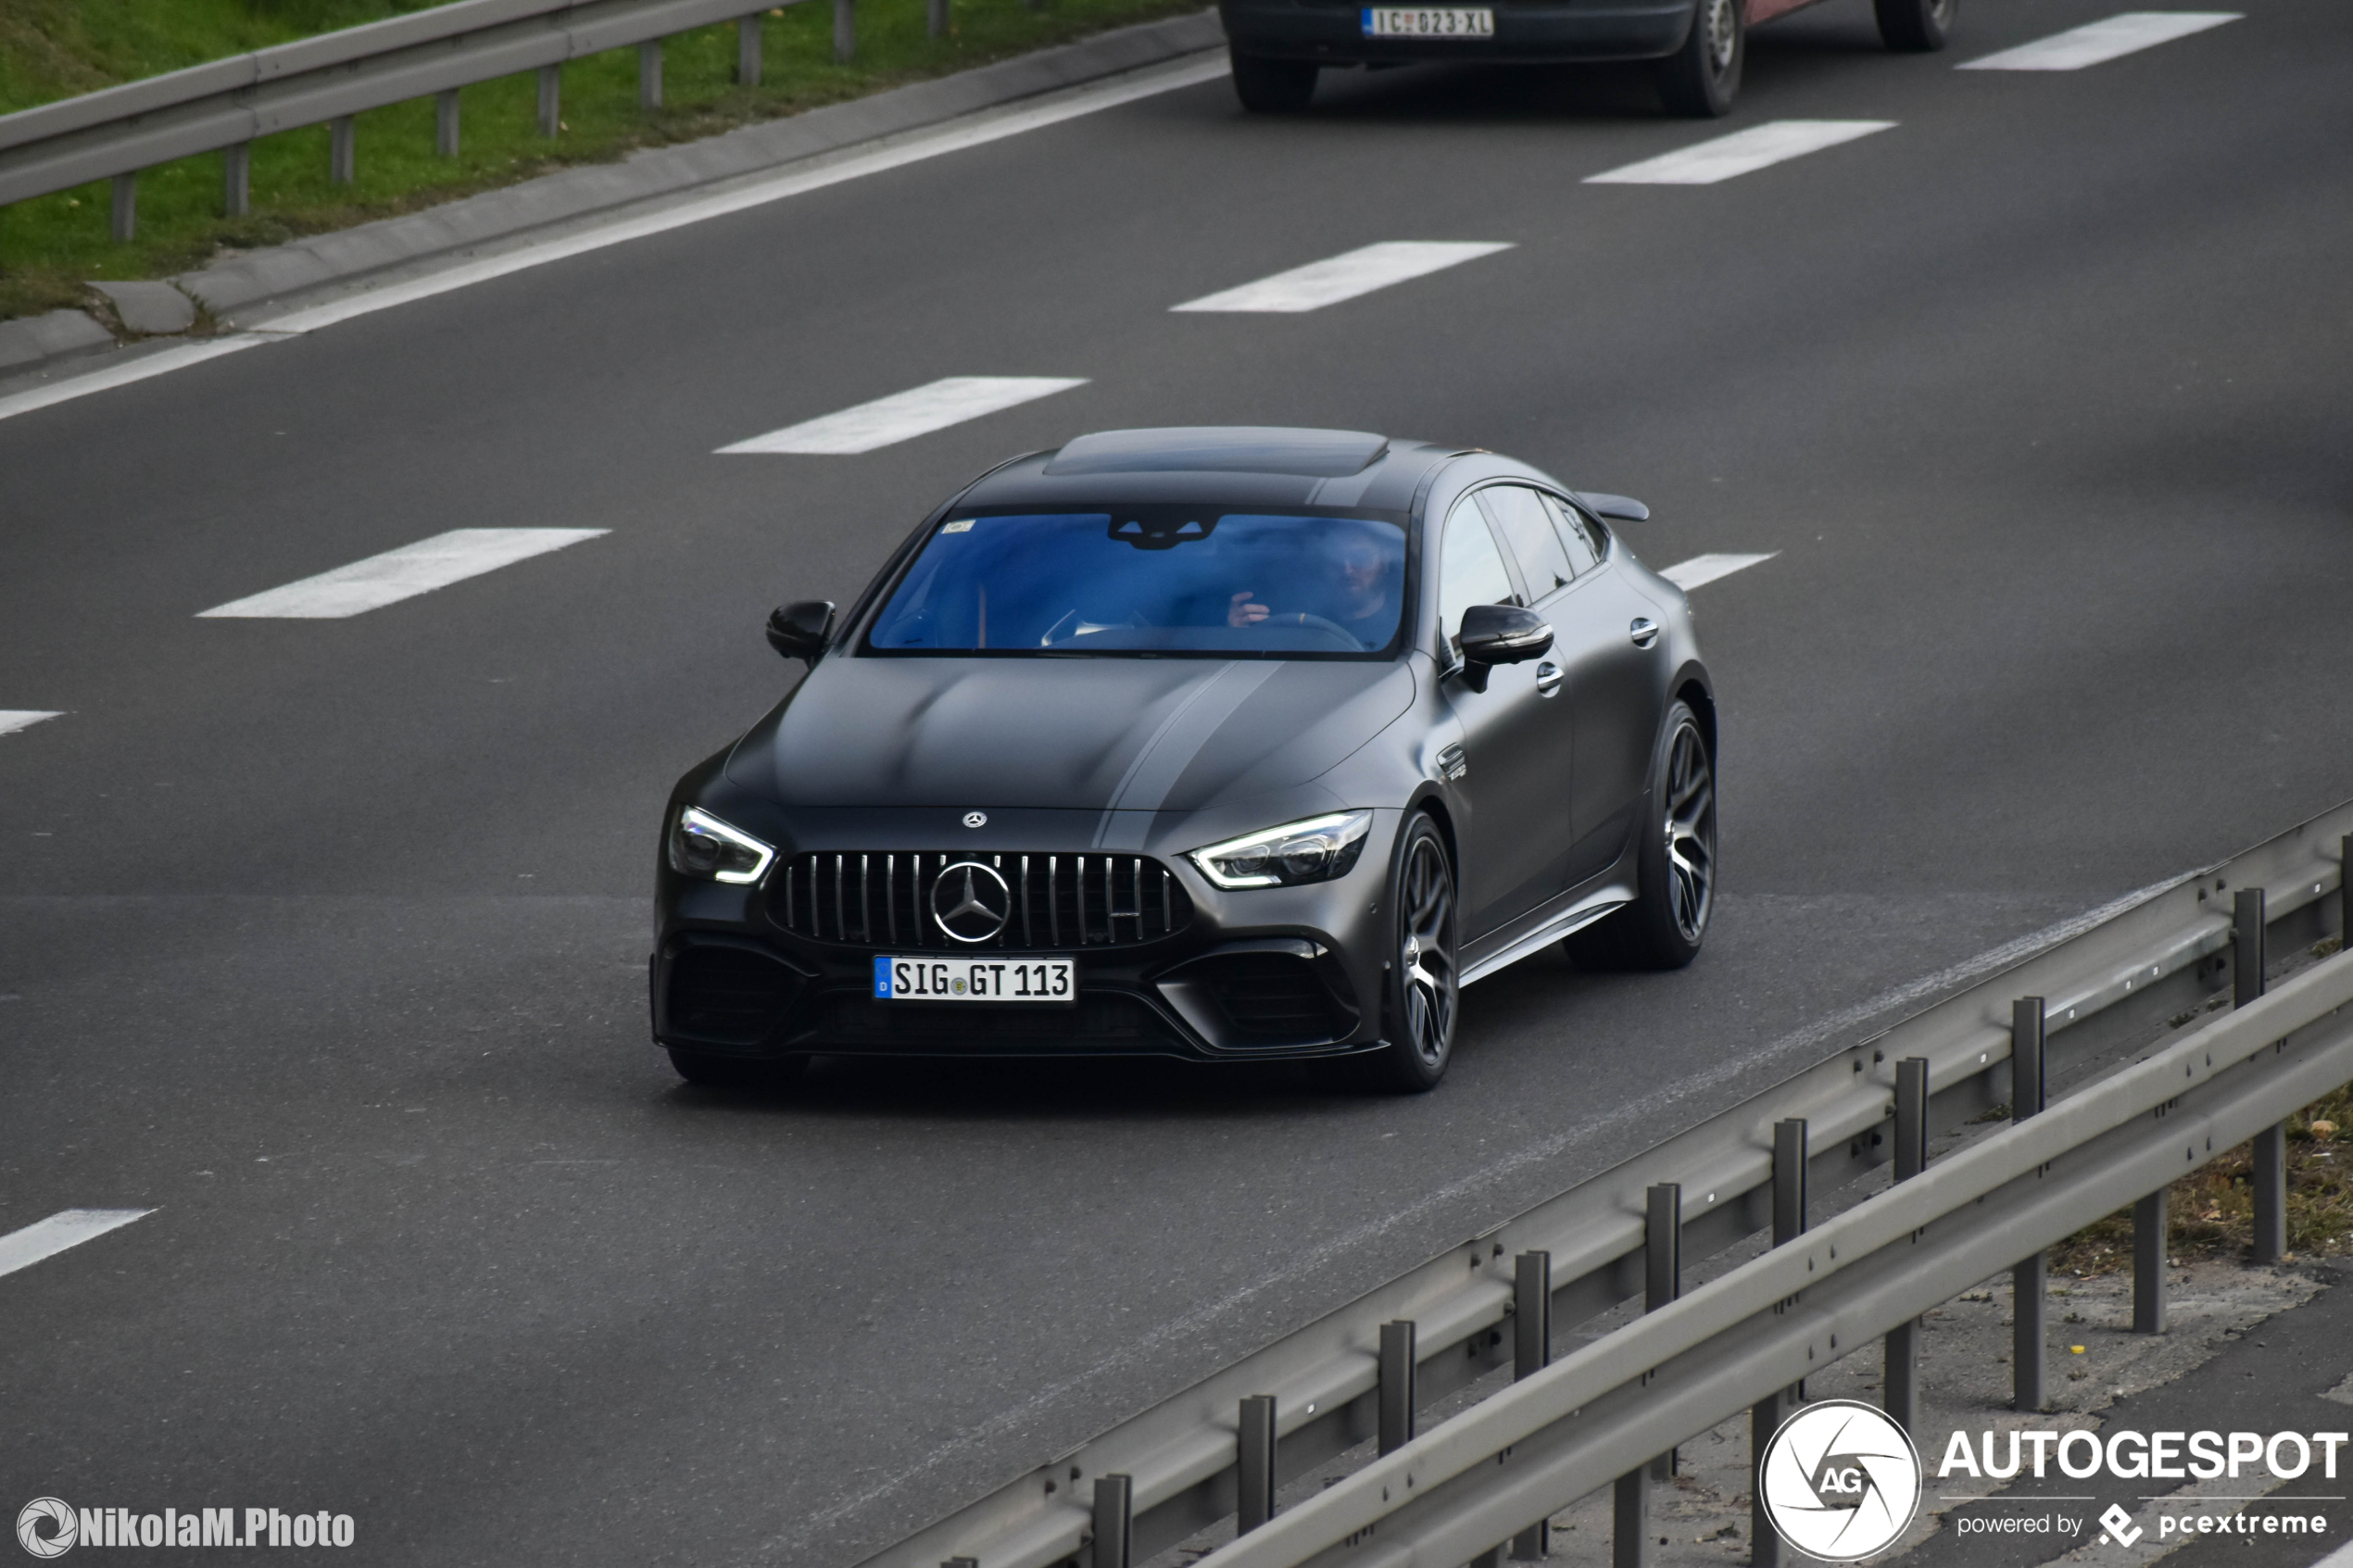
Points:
(1358, 567)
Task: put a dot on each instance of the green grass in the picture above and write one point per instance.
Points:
(51, 49)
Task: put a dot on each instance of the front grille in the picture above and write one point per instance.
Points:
(726, 995)
(1058, 901)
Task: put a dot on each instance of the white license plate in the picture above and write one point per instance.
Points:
(1400, 21)
(975, 980)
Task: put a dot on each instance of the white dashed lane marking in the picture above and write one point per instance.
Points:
(1689, 574)
(67, 1227)
(1345, 277)
(907, 414)
(2096, 42)
(400, 574)
(15, 718)
(1743, 152)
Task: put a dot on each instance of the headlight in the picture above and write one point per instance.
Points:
(1314, 850)
(700, 845)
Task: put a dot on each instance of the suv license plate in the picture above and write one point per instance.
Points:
(976, 980)
(1401, 21)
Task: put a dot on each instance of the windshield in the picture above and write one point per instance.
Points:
(1151, 579)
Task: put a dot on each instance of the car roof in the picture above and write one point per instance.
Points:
(1218, 465)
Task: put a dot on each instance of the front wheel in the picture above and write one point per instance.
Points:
(1701, 79)
(1676, 862)
(1422, 983)
(1268, 86)
(1915, 27)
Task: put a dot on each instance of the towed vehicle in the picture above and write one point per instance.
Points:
(1224, 744)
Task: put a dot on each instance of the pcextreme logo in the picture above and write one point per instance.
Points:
(1841, 1481)
(49, 1527)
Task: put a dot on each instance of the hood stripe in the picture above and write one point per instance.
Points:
(1172, 749)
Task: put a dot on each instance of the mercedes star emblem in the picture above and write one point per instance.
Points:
(970, 901)
(975, 819)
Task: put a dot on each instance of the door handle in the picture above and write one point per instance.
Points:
(1548, 678)
(1643, 631)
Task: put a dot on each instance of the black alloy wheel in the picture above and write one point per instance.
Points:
(1268, 86)
(1667, 923)
(1424, 981)
(1915, 27)
(711, 1071)
(1700, 80)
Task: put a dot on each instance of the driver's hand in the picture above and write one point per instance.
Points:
(1242, 611)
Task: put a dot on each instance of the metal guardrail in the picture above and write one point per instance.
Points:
(222, 107)
(1357, 1374)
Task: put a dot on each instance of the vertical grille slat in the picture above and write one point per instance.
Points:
(1060, 902)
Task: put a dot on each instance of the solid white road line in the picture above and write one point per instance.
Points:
(1690, 573)
(758, 191)
(2096, 42)
(401, 574)
(67, 1227)
(15, 718)
(903, 415)
(1344, 276)
(1742, 152)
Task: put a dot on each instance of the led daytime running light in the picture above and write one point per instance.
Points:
(1314, 850)
(725, 853)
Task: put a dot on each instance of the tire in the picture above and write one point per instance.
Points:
(1423, 982)
(1915, 27)
(710, 1072)
(1676, 861)
(1700, 80)
(1268, 86)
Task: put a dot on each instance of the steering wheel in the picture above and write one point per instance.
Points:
(1332, 629)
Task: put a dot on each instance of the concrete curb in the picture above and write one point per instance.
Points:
(265, 277)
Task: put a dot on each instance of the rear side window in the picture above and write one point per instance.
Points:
(1470, 569)
(1580, 533)
(1528, 531)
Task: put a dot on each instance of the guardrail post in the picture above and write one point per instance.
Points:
(1765, 1416)
(551, 100)
(960, 1562)
(445, 122)
(2344, 893)
(1396, 1385)
(845, 29)
(1254, 1463)
(649, 74)
(2148, 1263)
(1114, 1520)
(1630, 1521)
(1663, 1271)
(126, 208)
(2029, 1279)
(1902, 1373)
(938, 18)
(343, 155)
(236, 179)
(2269, 1151)
(748, 50)
(1531, 1352)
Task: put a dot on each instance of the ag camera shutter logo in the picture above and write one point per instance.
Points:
(1841, 1481)
(47, 1527)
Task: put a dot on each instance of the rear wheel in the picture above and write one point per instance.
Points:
(712, 1072)
(1268, 86)
(1665, 926)
(1422, 982)
(1701, 79)
(1915, 27)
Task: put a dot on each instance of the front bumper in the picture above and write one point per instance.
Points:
(1257, 975)
(1549, 31)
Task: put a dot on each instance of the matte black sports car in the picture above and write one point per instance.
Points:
(1224, 744)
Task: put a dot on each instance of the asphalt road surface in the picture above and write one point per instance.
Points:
(325, 939)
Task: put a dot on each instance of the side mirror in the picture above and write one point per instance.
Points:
(1618, 509)
(801, 631)
(1494, 635)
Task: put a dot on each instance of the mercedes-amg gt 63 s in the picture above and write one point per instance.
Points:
(1222, 744)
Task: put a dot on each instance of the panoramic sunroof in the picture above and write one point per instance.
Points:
(1311, 454)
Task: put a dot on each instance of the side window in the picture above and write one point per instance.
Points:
(1583, 536)
(1470, 569)
(1529, 532)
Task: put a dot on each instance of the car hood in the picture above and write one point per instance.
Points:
(1144, 734)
